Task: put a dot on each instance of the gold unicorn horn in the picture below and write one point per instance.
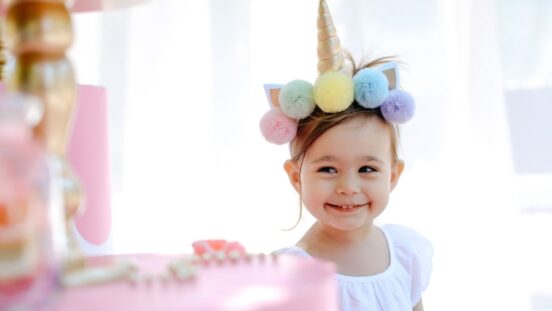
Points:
(330, 56)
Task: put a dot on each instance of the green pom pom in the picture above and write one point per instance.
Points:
(296, 99)
(334, 91)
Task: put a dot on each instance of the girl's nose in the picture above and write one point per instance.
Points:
(347, 185)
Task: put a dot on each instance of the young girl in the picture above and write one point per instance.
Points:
(345, 177)
(344, 164)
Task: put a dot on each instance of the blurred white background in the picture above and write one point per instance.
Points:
(185, 89)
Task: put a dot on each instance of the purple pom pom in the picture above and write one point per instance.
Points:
(398, 107)
(277, 127)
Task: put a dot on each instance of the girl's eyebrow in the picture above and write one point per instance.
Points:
(329, 158)
(369, 158)
(326, 158)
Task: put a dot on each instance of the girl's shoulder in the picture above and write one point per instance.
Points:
(404, 236)
(410, 248)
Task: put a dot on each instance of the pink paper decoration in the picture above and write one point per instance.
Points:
(92, 5)
(88, 152)
(102, 5)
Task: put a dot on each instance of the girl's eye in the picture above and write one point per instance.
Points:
(327, 169)
(366, 169)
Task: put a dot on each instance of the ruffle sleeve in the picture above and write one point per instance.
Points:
(414, 253)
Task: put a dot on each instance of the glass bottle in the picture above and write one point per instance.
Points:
(30, 206)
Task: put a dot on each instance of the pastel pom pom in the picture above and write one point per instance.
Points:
(277, 127)
(334, 91)
(371, 88)
(399, 107)
(296, 99)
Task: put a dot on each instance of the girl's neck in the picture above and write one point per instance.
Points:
(327, 237)
(361, 252)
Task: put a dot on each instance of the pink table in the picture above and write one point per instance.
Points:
(260, 284)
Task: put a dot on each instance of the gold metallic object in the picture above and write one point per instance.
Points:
(38, 34)
(43, 27)
(330, 56)
(73, 196)
(52, 79)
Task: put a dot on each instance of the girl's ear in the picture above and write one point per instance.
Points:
(396, 172)
(292, 169)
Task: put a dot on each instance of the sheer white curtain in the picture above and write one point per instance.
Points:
(185, 90)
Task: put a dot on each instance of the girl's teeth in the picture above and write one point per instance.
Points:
(344, 206)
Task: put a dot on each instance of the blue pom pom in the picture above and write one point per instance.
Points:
(399, 107)
(296, 99)
(371, 88)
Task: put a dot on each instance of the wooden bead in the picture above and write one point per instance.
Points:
(38, 27)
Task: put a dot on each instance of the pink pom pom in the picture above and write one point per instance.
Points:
(278, 128)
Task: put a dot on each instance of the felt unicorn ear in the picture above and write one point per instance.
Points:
(272, 92)
(391, 71)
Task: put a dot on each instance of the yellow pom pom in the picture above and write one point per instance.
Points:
(334, 91)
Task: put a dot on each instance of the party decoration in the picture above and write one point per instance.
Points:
(296, 99)
(335, 89)
(371, 88)
(399, 107)
(277, 127)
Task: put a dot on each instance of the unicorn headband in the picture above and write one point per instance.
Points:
(335, 89)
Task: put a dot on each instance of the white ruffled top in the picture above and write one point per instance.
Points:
(400, 286)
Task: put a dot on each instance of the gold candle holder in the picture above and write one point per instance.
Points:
(38, 33)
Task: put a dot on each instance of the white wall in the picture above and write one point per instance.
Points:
(188, 162)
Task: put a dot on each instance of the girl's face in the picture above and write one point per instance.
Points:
(347, 174)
